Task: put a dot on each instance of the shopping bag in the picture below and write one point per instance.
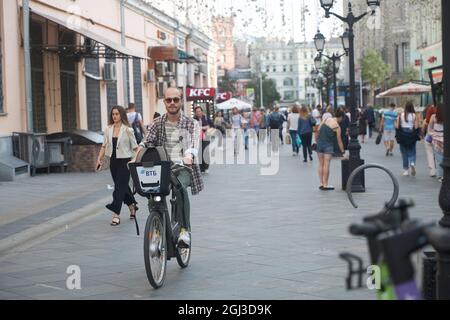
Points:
(298, 141)
(288, 139)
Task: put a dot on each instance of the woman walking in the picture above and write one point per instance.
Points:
(306, 124)
(119, 145)
(326, 136)
(407, 136)
(362, 124)
(436, 131)
(292, 126)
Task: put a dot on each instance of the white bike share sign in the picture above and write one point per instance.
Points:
(149, 178)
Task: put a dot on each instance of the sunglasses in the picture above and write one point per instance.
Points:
(175, 100)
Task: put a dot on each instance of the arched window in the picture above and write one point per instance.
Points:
(288, 82)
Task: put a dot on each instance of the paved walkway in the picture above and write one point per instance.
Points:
(254, 237)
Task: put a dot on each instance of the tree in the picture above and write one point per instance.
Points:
(226, 84)
(374, 70)
(327, 72)
(270, 93)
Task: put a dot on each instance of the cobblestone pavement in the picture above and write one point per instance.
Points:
(254, 237)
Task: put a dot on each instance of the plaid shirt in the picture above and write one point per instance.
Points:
(190, 131)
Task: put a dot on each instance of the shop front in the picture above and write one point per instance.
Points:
(202, 97)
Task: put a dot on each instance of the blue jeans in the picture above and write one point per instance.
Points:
(439, 157)
(295, 147)
(408, 155)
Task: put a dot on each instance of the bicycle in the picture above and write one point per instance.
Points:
(392, 238)
(155, 177)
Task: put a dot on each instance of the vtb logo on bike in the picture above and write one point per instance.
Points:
(149, 173)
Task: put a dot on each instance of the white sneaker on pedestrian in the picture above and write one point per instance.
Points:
(406, 173)
(184, 240)
(413, 170)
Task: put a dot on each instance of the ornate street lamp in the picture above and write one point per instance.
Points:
(348, 166)
(319, 41)
(327, 5)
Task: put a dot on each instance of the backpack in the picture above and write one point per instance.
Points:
(275, 121)
(137, 129)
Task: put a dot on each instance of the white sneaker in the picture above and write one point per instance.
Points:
(413, 170)
(406, 173)
(184, 240)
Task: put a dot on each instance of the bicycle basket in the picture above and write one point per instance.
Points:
(151, 172)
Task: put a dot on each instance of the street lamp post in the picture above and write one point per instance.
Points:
(348, 42)
(316, 82)
(319, 41)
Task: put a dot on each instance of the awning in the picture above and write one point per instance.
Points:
(90, 34)
(166, 53)
(406, 89)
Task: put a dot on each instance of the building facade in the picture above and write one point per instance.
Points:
(87, 57)
(290, 65)
(222, 30)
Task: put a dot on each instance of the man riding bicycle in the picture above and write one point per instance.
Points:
(180, 136)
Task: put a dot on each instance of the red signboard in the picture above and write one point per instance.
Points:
(224, 96)
(193, 94)
(418, 63)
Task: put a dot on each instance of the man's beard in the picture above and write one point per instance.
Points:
(173, 113)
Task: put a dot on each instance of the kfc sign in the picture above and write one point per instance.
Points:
(224, 96)
(200, 94)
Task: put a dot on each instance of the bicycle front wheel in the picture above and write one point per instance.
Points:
(183, 256)
(155, 250)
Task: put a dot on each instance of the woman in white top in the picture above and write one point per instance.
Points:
(407, 125)
(119, 145)
(292, 123)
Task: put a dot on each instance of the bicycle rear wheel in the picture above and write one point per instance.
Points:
(155, 250)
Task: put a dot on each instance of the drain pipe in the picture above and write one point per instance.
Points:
(124, 61)
(26, 48)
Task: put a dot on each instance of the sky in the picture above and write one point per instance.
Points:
(282, 19)
(275, 18)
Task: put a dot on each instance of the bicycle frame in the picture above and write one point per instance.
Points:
(170, 224)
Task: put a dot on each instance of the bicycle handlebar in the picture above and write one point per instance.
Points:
(365, 229)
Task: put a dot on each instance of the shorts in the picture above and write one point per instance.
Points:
(325, 148)
(389, 135)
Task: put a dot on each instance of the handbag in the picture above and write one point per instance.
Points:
(378, 140)
(429, 138)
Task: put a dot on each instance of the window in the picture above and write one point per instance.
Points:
(284, 56)
(267, 68)
(288, 82)
(397, 62)
(291, 68)
(305, 55)
(267, 57)
(288, 96)
(306, 67)
(284, 68)
(406, 55)
(274, 56)
(312, 55)
(274, 68)
(291, 56)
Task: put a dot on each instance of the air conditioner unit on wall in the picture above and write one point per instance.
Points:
(161, 88)
(151, 75)
(161, 68)
(110, 71)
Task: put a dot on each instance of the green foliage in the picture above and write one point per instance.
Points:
(270, 93)
(374, 69)
(226, 84)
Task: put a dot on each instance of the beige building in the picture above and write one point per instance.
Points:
(87, 56)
